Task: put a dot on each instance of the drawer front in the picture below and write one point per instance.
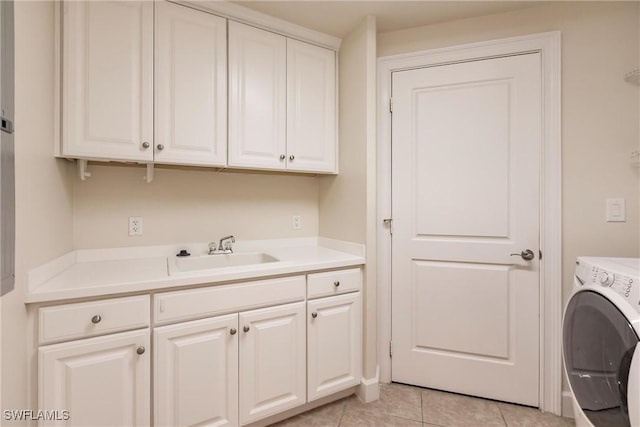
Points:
(214, 300)
(333, 282)
(87, 319)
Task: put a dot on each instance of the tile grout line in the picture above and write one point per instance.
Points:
(421, 407)
(344, 408)
(504, 420)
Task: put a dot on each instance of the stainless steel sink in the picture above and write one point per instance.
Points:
(213, 262)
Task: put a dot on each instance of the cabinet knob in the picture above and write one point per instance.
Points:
(140, 350)
(282, 156)
(246, 329)
(336, 283)
(145, 144)
(291, 157)
(96, 319)
(160, 147)
(314, 314)
(232, 331)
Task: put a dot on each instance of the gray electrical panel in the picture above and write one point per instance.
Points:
(7, 152)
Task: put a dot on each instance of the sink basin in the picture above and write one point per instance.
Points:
(211, 262)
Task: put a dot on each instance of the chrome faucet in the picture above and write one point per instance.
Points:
(224, 247)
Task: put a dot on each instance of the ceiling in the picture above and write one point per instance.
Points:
(338, 18)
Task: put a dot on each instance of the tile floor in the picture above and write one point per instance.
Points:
(406, 406)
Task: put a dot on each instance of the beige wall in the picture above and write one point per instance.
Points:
(347, 202)
(43, 186)
(600, 126)
(190, 205)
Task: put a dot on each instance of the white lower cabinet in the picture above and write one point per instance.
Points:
(272, 361)
(276, 352)
(101, 381)
(196, 373)
(333, 344)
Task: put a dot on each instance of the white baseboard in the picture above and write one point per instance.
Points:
(567, 404)
(369, 389)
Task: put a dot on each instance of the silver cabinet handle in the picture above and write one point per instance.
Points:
(232, 331)
(526, 255)
(282, 156)
(160, 147)
(96, 319)
(314, 314)
(336, 283)
(291, 157)
(140, 350)
(145, 144)
(246, 329)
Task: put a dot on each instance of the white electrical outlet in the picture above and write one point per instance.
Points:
(616, 211)
(135, 226)
(296, 222)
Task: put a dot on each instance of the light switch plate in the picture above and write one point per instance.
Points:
(616, 211)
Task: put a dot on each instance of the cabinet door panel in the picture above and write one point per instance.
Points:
(190, 86)
(334, 344)
(196, 373)
(257, 97)
(272, 361)
(311, 108)
(108, 80)
(101, 381)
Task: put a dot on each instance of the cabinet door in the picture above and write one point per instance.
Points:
(190, 86)
(334, 334)
(100, 381)
(272, 361)
(257, 98)
(311, 108)
(108, 80)
(196, 373)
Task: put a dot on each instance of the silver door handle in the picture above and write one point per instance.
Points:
(526, 255)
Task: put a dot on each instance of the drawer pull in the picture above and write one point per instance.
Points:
(96, 319)
(140, 350)
(314, 314)
(336, 283)
(232, 331)
(246, 329)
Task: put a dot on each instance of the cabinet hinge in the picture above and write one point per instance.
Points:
(389, 222)
(540, 254)
(391, 105)
(390, 350)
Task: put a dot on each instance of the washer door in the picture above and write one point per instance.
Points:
(599, 343)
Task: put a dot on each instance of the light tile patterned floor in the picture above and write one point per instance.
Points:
(406, 406)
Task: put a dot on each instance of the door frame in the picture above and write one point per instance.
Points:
(549, 47)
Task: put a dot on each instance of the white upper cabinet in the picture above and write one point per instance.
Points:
(158, 82)
(190, 86)
(107, 82)
(257, 98)
(311, 108)
(282, 102)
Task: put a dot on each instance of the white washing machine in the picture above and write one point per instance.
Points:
(601, 330)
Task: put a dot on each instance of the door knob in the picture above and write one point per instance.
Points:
(526, 255)
(232, 331)
(145, 144)
(160, 147)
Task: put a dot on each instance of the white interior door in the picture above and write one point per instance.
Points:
(465, 195)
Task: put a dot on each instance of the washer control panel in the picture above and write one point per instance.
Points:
(624, 285)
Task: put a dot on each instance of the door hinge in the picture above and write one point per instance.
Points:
(389, 222)
(390, 350)
(540, 254)
(391, 105)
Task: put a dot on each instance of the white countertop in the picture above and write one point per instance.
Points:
(101, 272)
